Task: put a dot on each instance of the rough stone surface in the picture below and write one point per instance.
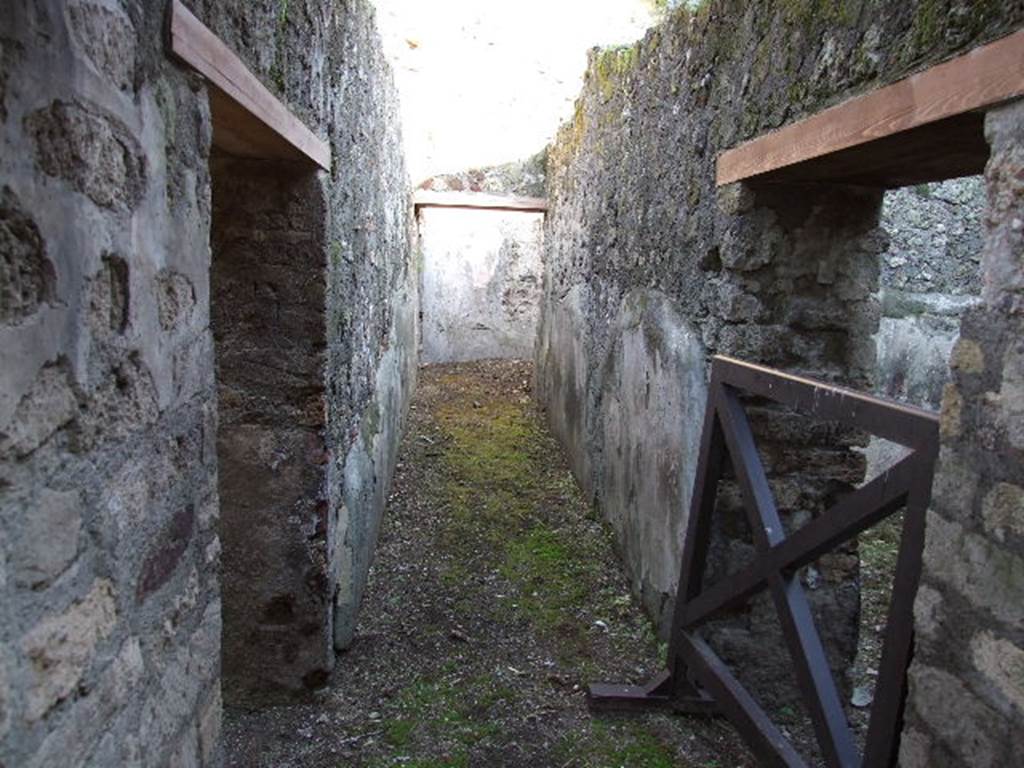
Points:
(110, 632)
(935, 237)
(106, 417)
(26, 274)
(785, 277)
(59, 648)
(929, 280)
(965, 695)
(482, 273)
(94, 153)
(51, 538)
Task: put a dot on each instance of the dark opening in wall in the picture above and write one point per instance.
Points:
(929, 278)
(267, 296)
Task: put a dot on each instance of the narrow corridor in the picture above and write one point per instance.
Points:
(494, 598)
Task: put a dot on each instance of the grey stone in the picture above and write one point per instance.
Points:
(990, 576)
(935, 225)
(49, 405)
(95, 153)
(966, 725)
(48, 540)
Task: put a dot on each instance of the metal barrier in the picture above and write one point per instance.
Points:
(697, 680)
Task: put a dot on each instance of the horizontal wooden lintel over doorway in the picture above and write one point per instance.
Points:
(248, 120)
(926, 127)
(478, 200)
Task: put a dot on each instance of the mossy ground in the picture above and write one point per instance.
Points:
(495, 597)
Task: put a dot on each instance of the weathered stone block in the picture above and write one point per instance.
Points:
(95, 153)
(175, 297)
(108, 40)
(61, 648)
(1002, 664)
(956, 484)
(968, 357)
(915, 748)
(1010, 400)
(49, 538)
(70, 742)
(27, 276)
(109, 297)
(48, 405)
(988, 575)
(1003, 510)
(1003, 257)
(960, 721)
(929, 613)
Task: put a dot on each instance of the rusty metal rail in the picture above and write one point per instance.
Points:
(697, 680)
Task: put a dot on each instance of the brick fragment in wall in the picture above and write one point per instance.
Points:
(60, 648)
(27, 276)
(93, 152)
(166, 552)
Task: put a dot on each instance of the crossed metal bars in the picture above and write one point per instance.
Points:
(697, 680)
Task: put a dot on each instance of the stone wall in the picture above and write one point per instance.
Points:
(110, 616)
(110, 609)
(785, 276)
(930, 278)
(350, 316)
(481, 273)
(966, 703)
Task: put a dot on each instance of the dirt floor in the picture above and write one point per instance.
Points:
(495, 597)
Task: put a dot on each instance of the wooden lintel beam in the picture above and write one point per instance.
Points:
(478, 200)
(247, 118)
(981, 78)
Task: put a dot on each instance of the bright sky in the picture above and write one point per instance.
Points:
(484, 82)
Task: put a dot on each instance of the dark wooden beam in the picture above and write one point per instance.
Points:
(478, 200)
(923, 128)
(248, 120)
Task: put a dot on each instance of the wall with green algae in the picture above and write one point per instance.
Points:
(784, 277)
